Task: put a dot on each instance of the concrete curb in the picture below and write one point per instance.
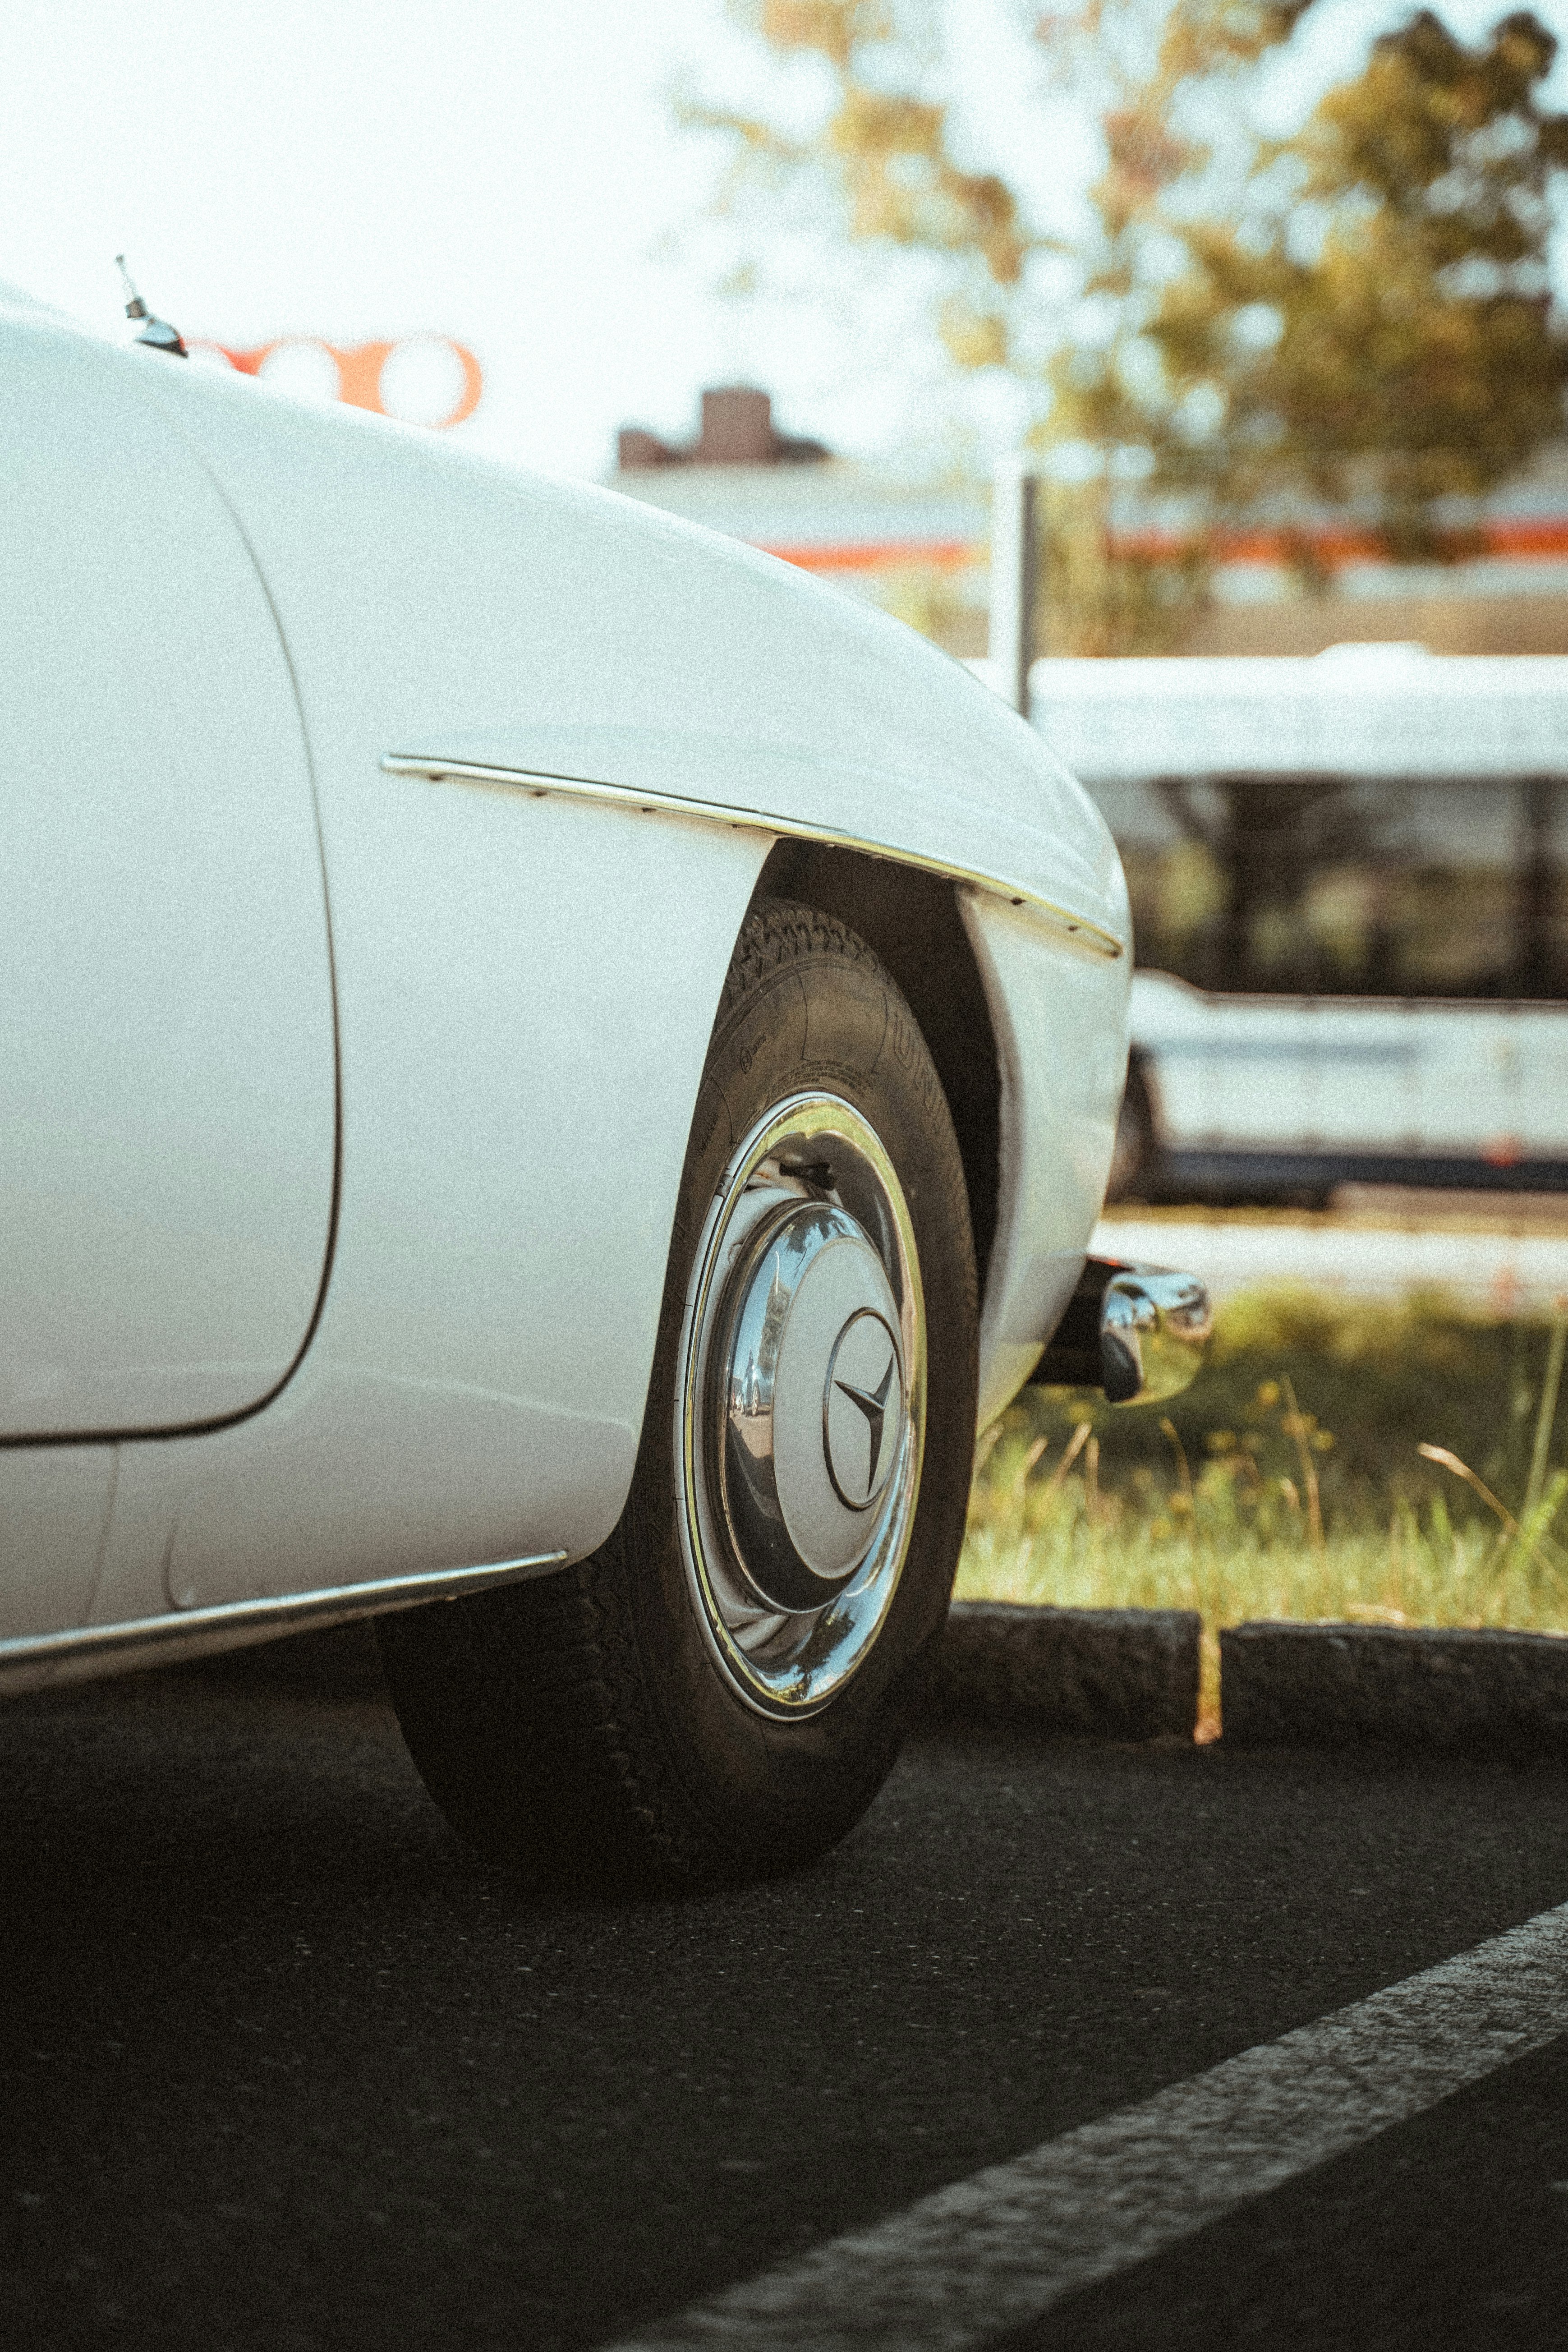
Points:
(1081, 1673)
(1394, 1687)
(1131, 1676)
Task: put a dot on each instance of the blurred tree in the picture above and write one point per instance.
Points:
(1360, 313)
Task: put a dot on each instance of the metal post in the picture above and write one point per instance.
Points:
(1013, 557)
(1535, 943)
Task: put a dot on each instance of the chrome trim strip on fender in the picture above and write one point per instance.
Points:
(34, 1661)
(541, 786)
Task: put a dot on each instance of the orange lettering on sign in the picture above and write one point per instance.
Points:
(359, 367)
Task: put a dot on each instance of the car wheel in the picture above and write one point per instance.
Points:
(722, 1689)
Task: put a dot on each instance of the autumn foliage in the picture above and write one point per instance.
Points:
(1245, 327)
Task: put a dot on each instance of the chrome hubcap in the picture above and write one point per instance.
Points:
(801, 1404)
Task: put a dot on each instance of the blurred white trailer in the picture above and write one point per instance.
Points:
(1351, 915)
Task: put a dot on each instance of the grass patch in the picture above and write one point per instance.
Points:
(1334, 1460)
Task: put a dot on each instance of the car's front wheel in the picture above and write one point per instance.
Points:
(722, 1689)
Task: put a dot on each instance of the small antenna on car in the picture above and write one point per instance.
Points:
(157, 334)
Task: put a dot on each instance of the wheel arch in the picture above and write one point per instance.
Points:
(911, 920)
(1141, 1066)
(1135, 1165)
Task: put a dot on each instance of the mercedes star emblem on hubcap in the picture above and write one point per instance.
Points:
(801, 1420)
(863, 1372)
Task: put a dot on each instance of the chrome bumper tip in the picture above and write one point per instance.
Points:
(1139, 1332)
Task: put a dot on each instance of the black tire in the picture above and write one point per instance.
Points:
(579, 1728)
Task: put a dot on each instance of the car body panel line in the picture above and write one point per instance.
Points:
(113, 1429)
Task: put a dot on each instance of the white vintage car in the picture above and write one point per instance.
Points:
(552, 1065)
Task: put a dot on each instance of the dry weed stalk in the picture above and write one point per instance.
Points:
(1296, 1424)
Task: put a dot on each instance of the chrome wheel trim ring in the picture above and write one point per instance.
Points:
(813, 1172)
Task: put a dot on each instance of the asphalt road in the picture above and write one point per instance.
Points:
(280, 2066)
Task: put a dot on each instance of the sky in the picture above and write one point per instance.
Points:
(506, 171)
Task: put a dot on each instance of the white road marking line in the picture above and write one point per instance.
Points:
(996, 2249)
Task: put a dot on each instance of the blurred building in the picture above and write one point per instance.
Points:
(921, 550)
(918, 549)
(737, 429)
(1509, 597)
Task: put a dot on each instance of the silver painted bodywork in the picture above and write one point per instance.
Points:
(523, 988)
(166, 1154)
